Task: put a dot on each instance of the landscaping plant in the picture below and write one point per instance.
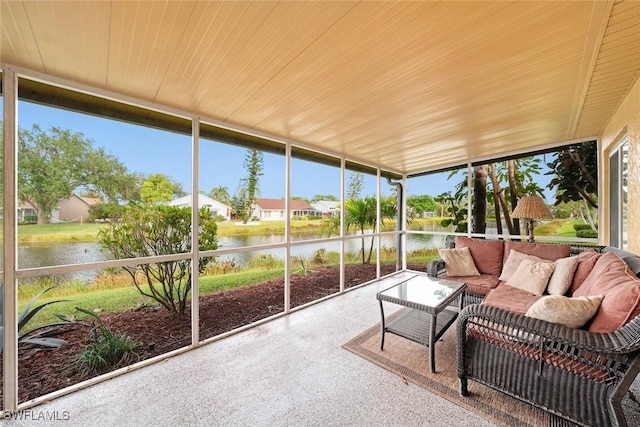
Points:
(152, 230)
(40, 336)
(105, 349)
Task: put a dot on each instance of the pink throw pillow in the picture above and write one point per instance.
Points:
(586, 261)
(604, 263)
(621, 303)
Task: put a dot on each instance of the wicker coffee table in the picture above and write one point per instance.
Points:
(429, 318)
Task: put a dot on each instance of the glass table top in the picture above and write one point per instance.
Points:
(423, 290)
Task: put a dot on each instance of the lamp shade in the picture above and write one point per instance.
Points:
(531, 207)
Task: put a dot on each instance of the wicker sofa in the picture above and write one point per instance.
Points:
(578, 373)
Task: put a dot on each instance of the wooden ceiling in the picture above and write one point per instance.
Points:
(409, 86)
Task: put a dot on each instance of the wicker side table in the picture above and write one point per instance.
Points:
(429, 317)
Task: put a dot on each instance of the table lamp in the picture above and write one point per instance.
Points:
(531, 208)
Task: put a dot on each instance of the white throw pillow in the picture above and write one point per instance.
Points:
(562, 276)
(532, 276)
(513, 262)
(570, 312)
(459, 262)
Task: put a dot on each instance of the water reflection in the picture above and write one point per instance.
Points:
(52, 254)
(48, 254)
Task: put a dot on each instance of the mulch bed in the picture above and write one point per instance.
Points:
(157, 332)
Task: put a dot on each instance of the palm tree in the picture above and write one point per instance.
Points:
(361, 214)
(220, 194)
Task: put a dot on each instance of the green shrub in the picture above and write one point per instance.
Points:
(147, 231)
(223, 267)
(579, 227)
(320, 257)
(103, 211)
(105, 348)
(587, 234)
(30, 219)
(266, 262)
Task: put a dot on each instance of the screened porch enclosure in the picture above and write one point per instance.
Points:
(386, 221)
(407, 122)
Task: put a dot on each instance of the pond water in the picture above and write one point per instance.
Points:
(52, 254)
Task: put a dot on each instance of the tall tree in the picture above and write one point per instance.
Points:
(254, 164)
(418, 205)
(510, 180)
(159, 188)
(319, 197)
(574, 173)
(479, 224)
(354, 188)
(575, 177)
(361, 215)
(54, 164)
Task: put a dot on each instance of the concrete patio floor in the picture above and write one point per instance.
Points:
(291, 371)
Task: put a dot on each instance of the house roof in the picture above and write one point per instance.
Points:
(329, 204)
(202, 201)
(278, 204)
(90, 201)
(409, 86)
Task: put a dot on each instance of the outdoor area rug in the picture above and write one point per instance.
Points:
(410, 361)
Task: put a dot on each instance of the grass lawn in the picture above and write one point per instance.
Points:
(63, 232)
(127, 297)
(566, 228)
(73, 232)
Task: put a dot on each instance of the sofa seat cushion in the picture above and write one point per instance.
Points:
(510, 298)
(487, 254)
(477, 285)
(547, 251)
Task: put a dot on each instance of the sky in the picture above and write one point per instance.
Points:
(148, 151)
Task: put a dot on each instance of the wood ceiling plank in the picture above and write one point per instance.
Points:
(18, 44)
(143, 43)
(72, 40)
(613, 72)
(409, 85)
(357, 102)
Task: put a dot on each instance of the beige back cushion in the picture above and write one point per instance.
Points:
(458, 262)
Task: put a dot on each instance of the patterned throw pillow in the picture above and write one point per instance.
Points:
(513, 262)
(532, 276)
